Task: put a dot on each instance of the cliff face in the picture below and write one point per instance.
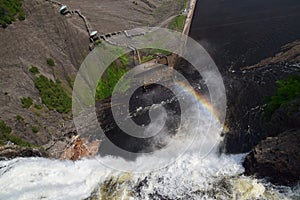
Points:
(277, 158)
(43, 34)
(56, 45)
(247, 93)
(271, 137)
(108, 16)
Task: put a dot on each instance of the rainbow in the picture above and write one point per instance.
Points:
(203, 102)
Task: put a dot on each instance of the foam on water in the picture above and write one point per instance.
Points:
(36, 178)
(188, 178)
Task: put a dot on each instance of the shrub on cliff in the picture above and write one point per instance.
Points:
(9, 9)
(288, 90)
(5, 136)
(53, 95)
(111, 77)
(50, 62)
(26, 101)
(34, 70)
(19, 118)
(35, 129)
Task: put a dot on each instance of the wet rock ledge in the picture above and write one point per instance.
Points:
(13, 151)
(276, 158)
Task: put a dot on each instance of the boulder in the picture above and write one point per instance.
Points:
(80, 148)
(276, 158)
(12, 151)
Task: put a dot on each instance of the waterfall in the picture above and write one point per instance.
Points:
(191, 176)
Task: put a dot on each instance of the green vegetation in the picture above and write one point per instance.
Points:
(4, 129)
(147, 58)
(98, 42)
(50, 62)
(118, 69)
(26, 101)
(19, 118)
(108, 82)
(38, 106)
(35, 129)
(185, 4)
(21, 16)
(287, 91)
(159, 52)
(70, 80)
(112, 75)
(5, 136)
(177, 23)
(9, 9)
(34, 70)
(149, 54)
(53, 95)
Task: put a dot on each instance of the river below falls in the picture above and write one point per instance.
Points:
(216, 177)
(241, 33)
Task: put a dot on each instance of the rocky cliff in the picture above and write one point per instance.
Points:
(247, 94)
(264, 116)
(43, 36)
(276, 158)
(52, 46)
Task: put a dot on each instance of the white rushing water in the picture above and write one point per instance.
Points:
(189, 178)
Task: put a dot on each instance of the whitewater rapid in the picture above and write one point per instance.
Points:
(215, 177)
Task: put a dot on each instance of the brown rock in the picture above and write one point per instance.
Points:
(80, 148)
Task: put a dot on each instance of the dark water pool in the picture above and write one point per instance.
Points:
(242, 32)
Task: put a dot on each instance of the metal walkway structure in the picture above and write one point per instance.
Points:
(94, 36)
